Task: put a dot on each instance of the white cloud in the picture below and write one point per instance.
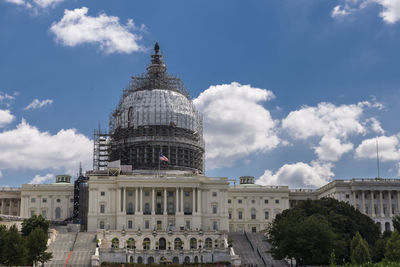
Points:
(17, 2)
(390, 9)
(42, 179)
(331, 148)
(35, 4)
(47, 3)
(4, 97)
(235, 123)
(5, 117)
(1, 174)
(36, 103)
(299, 175)
(25, 147)
(76, 28)
(389, 148)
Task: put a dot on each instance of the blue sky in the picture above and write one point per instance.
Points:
(292, 92)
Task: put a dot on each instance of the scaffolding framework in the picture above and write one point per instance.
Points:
(101, 150)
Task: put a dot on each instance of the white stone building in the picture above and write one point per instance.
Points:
(10, 201)
(53, 201)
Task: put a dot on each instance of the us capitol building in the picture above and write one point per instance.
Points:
(147, 197)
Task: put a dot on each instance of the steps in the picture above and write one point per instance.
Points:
(243, 248)
(259, 241)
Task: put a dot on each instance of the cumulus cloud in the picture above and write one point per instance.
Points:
(390, 9)
(42, 179)
(36, 103)
(299, 175)
(235, 123)
(25, 147)
(4, 97)
(76, 27)
(35, 4)
(5, 117)
(389, 148)
(331, 148)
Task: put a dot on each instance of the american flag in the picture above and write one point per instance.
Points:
(163, 158)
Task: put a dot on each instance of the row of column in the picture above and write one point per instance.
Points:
(372, 201)
(11, 201)
(179, 199)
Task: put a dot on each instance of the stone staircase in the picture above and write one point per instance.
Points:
(244, 249)
(76, 247)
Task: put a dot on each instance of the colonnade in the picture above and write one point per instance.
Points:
(7, 206)
(379, 205)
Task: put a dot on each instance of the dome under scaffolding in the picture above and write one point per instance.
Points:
(154, 116)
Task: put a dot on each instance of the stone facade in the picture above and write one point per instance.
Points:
(10, 201)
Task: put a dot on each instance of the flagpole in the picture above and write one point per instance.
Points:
(159, 163)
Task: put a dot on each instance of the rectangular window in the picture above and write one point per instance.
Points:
(44, 213)
(146, 224)
(44, 200)
(187, 194)
(265, 201)
(187, 224)
(230, 215)
(214, 194)
(101, 225)
(32, 213)
(214, 208)
(147, 193)
(102, 193)
(253, 201)
(215, 225)
(130, 224)
(101, 208)
(254, 229)
(159, 225)
(240, 215)
(229, 201)
(276, 201)
(266, 215)
(130, 193)
(71, 200)
(347, 196)
(239, 201)
(159, 193)
(33, 200)
(170, 194)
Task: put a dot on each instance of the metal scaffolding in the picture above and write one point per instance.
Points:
(101, 147)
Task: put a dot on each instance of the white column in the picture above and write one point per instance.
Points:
(141, 199)
(193, 200)
(363, 202)
(3, 203)
(182, 199)
(372, 204)
(199, 200)
(118, 201)
(136, 200)
(165, 201)
(153, 201)
(51, 213)
(124, 200)
(177, 201)
(390, 203)
(381, 203)
(354, 200)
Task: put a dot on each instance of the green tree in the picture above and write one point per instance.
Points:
(28, 225)
(14, 251)
(392, 253)
(359, 250)
(396, 222)
(36, 243)
(332, 260)
(286, 231)
(3, 236)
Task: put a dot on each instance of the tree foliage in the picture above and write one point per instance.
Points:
(396, 222)
(392, 253)
(333, 225)
(359, 250)
(13, 249)
(36, 243)
(28, 225)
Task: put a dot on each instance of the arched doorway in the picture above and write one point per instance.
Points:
(193, 243)
(196, 259)
(186, 260)
(162, 243)
(379, 226)
(139, 260)
(387, 226)
(131, 259)
(175, 260)
(150, 260)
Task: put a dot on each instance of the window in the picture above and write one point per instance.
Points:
(230, 215)
(101, 225)
(58, 213)
(215, 225)
(159, 193)
(214, 194)
(44, 213)
(229, 201)
(115, 243)
(214, 208)
(187, 224)
(265, 201)
(33, 200)
(187, 194)
(102, 193)
(146, 224)
(253, 201)
(208, 243)
(254, 229)
(240, 215)
(32, 213)
(253, 213)
(170, 193)
(71, 200)
(130, 224)
(147, 193)
(146, 208)
(356, 195)
(130, 208)
(159, 225)
(101, 208)
(130, 193)
(276, 201)
(347, 196)
(266, 215)
(58, 200)
(239, 201)
(44, 200)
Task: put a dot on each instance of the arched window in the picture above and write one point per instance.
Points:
(253, 213)
(130, 243)
(208, 243)
(175, 260)
(196, 259)
(186, 260)
(193, 243)
(139, 260)
(162, 243)
(58, 213)
(177, 243)
(379, 226)
(130, 116)
(387, 226)
(146, 243)
(115, 243)
(131, 259)
(150, 260)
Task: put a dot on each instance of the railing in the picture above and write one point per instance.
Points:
(262, 258)
(245, 234)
